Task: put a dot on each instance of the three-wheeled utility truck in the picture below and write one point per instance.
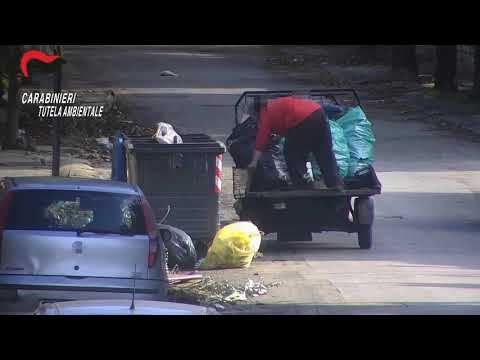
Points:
(295, 214)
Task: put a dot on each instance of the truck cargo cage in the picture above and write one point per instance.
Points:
(251, 99)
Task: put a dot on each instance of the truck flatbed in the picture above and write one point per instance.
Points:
(286, 194)
(240, 186)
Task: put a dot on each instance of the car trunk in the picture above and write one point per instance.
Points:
(64, 253)
(75, 233)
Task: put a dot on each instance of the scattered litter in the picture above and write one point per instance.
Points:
(168, 73)
(254, 289)
(210, 292)
(236, 296)
(275, 284)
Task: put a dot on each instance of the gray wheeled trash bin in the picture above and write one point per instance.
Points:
(186, 177)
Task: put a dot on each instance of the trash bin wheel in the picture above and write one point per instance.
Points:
(365, 236)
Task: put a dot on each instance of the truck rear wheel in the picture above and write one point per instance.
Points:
(365, 236)
(364, 213)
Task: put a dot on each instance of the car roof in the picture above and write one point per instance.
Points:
(119, 307)
(68, 183)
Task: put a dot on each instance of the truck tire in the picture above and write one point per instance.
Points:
(365, 236)
(364, 214)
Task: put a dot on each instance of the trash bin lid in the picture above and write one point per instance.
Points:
(200, 143)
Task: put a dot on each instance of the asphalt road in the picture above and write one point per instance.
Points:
(425, 258)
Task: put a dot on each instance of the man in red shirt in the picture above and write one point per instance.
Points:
(306, 130)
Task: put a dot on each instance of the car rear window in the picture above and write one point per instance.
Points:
(64, 210)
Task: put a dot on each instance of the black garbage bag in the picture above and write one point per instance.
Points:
(180, 249)
(272, 172)
(241, 143)
(363, 178)
(333, 111)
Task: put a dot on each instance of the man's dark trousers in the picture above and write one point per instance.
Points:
(313, 135)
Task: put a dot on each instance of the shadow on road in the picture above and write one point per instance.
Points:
(426, 308)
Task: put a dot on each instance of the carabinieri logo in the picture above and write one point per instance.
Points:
(35, 55)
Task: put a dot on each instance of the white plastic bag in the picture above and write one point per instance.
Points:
(166, 134)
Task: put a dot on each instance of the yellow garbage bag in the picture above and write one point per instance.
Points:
(234, 246)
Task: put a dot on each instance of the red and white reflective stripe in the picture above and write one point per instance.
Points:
(218, 174)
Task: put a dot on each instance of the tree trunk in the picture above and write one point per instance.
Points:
(404, 62)
(476, 76)
(12, 114)
(446, 69)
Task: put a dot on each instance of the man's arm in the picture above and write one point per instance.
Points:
(263, 137)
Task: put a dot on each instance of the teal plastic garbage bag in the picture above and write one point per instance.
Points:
(340, 149)
(358, 132)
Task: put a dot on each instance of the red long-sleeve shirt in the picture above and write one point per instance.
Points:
(280, 115)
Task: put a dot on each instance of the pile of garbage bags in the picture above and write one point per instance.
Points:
(353, 145)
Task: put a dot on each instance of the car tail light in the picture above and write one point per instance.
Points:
(5, 205)
(152, 232)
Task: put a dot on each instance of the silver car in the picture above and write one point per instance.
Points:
(79, 235)
(121, 307)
